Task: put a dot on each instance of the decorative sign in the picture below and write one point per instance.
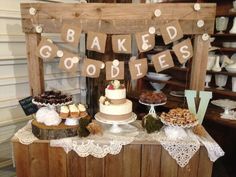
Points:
(138, 68)
(46, 49)
(96, 42)
(183, 50)
(171, 32)
(91, 68)
(145, 41)
(121, 43)
(71, 34)
(205, 98)
(115, 70)
(27, 106)
(69, 62)
(162, 61)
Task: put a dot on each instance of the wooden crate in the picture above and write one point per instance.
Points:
(138, 159)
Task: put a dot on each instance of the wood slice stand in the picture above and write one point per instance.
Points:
(44, 132)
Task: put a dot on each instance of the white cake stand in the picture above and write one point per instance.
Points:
(115, 128)
(152, 107)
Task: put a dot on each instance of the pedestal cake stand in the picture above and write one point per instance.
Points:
(118, 126)
(152, 107)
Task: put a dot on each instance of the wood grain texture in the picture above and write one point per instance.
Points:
(39, 159)
(191, 169)
(132, 161)
(205, 165)
(169, 167)
(151, 161)
(132, 18)
(22, 162)
(94, 167)
(76, 165)
(199, 63)
(35, 64)
(114, 165)
(57, 162)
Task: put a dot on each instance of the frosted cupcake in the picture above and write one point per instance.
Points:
(82, 110)
(74, 111)
(64, 112)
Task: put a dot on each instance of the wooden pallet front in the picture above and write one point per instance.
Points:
(135, 160)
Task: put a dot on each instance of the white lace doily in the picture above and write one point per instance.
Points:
(99, 146)
(25, 135)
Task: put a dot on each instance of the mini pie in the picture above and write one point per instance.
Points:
(179, 117)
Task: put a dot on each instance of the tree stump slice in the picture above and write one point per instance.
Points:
(44, 132)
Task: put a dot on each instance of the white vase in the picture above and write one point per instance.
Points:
(220, 81)
(233, 29)
(211, 60)
(234, 84)
(216, 67)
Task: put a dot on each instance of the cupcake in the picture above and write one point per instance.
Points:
(64, 112)
(74, 111)
(82, 110)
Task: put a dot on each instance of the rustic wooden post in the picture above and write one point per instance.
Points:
(35, 64)
(199, 63)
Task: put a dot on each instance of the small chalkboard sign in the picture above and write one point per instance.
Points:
(27, 105)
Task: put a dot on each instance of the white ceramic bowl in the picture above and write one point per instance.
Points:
(157, 86)
(231, 68)
(158, 76)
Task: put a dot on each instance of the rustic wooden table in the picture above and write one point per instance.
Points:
(139, 159)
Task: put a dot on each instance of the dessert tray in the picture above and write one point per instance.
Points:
(189, 125)
(227, 105)
(48, 104)
(115, 128)
(179, 118)
(152, 107)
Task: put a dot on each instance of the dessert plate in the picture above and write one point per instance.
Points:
(177, 93)
(48, 105)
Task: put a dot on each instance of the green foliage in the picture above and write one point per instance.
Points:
(151, 124)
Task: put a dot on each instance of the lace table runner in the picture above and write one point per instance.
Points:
(99, 146)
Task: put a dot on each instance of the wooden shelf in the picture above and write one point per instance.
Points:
(224, 49)
(222, 72)
(223, 35)
(170, 82)
(174, 68)
(224, 92)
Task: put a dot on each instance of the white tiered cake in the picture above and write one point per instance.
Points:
(114, 105)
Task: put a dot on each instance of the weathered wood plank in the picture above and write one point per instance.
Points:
(205, 165)
(76, 165)
(191, 169)
(21, 155)
(39, 160)
(35, 64)
(57, 162)
(199, 63)
(169, 167)
(132, 18)
(132, 161)
(113, 165)
(94, 167)
(151, 161)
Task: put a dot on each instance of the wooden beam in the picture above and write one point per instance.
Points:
(199, 63)
(117, 18)
(35, 64)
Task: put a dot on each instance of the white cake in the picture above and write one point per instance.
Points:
(114, 105)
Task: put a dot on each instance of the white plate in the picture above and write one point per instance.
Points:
(158, 76)
(177, 93)
(224, 103)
